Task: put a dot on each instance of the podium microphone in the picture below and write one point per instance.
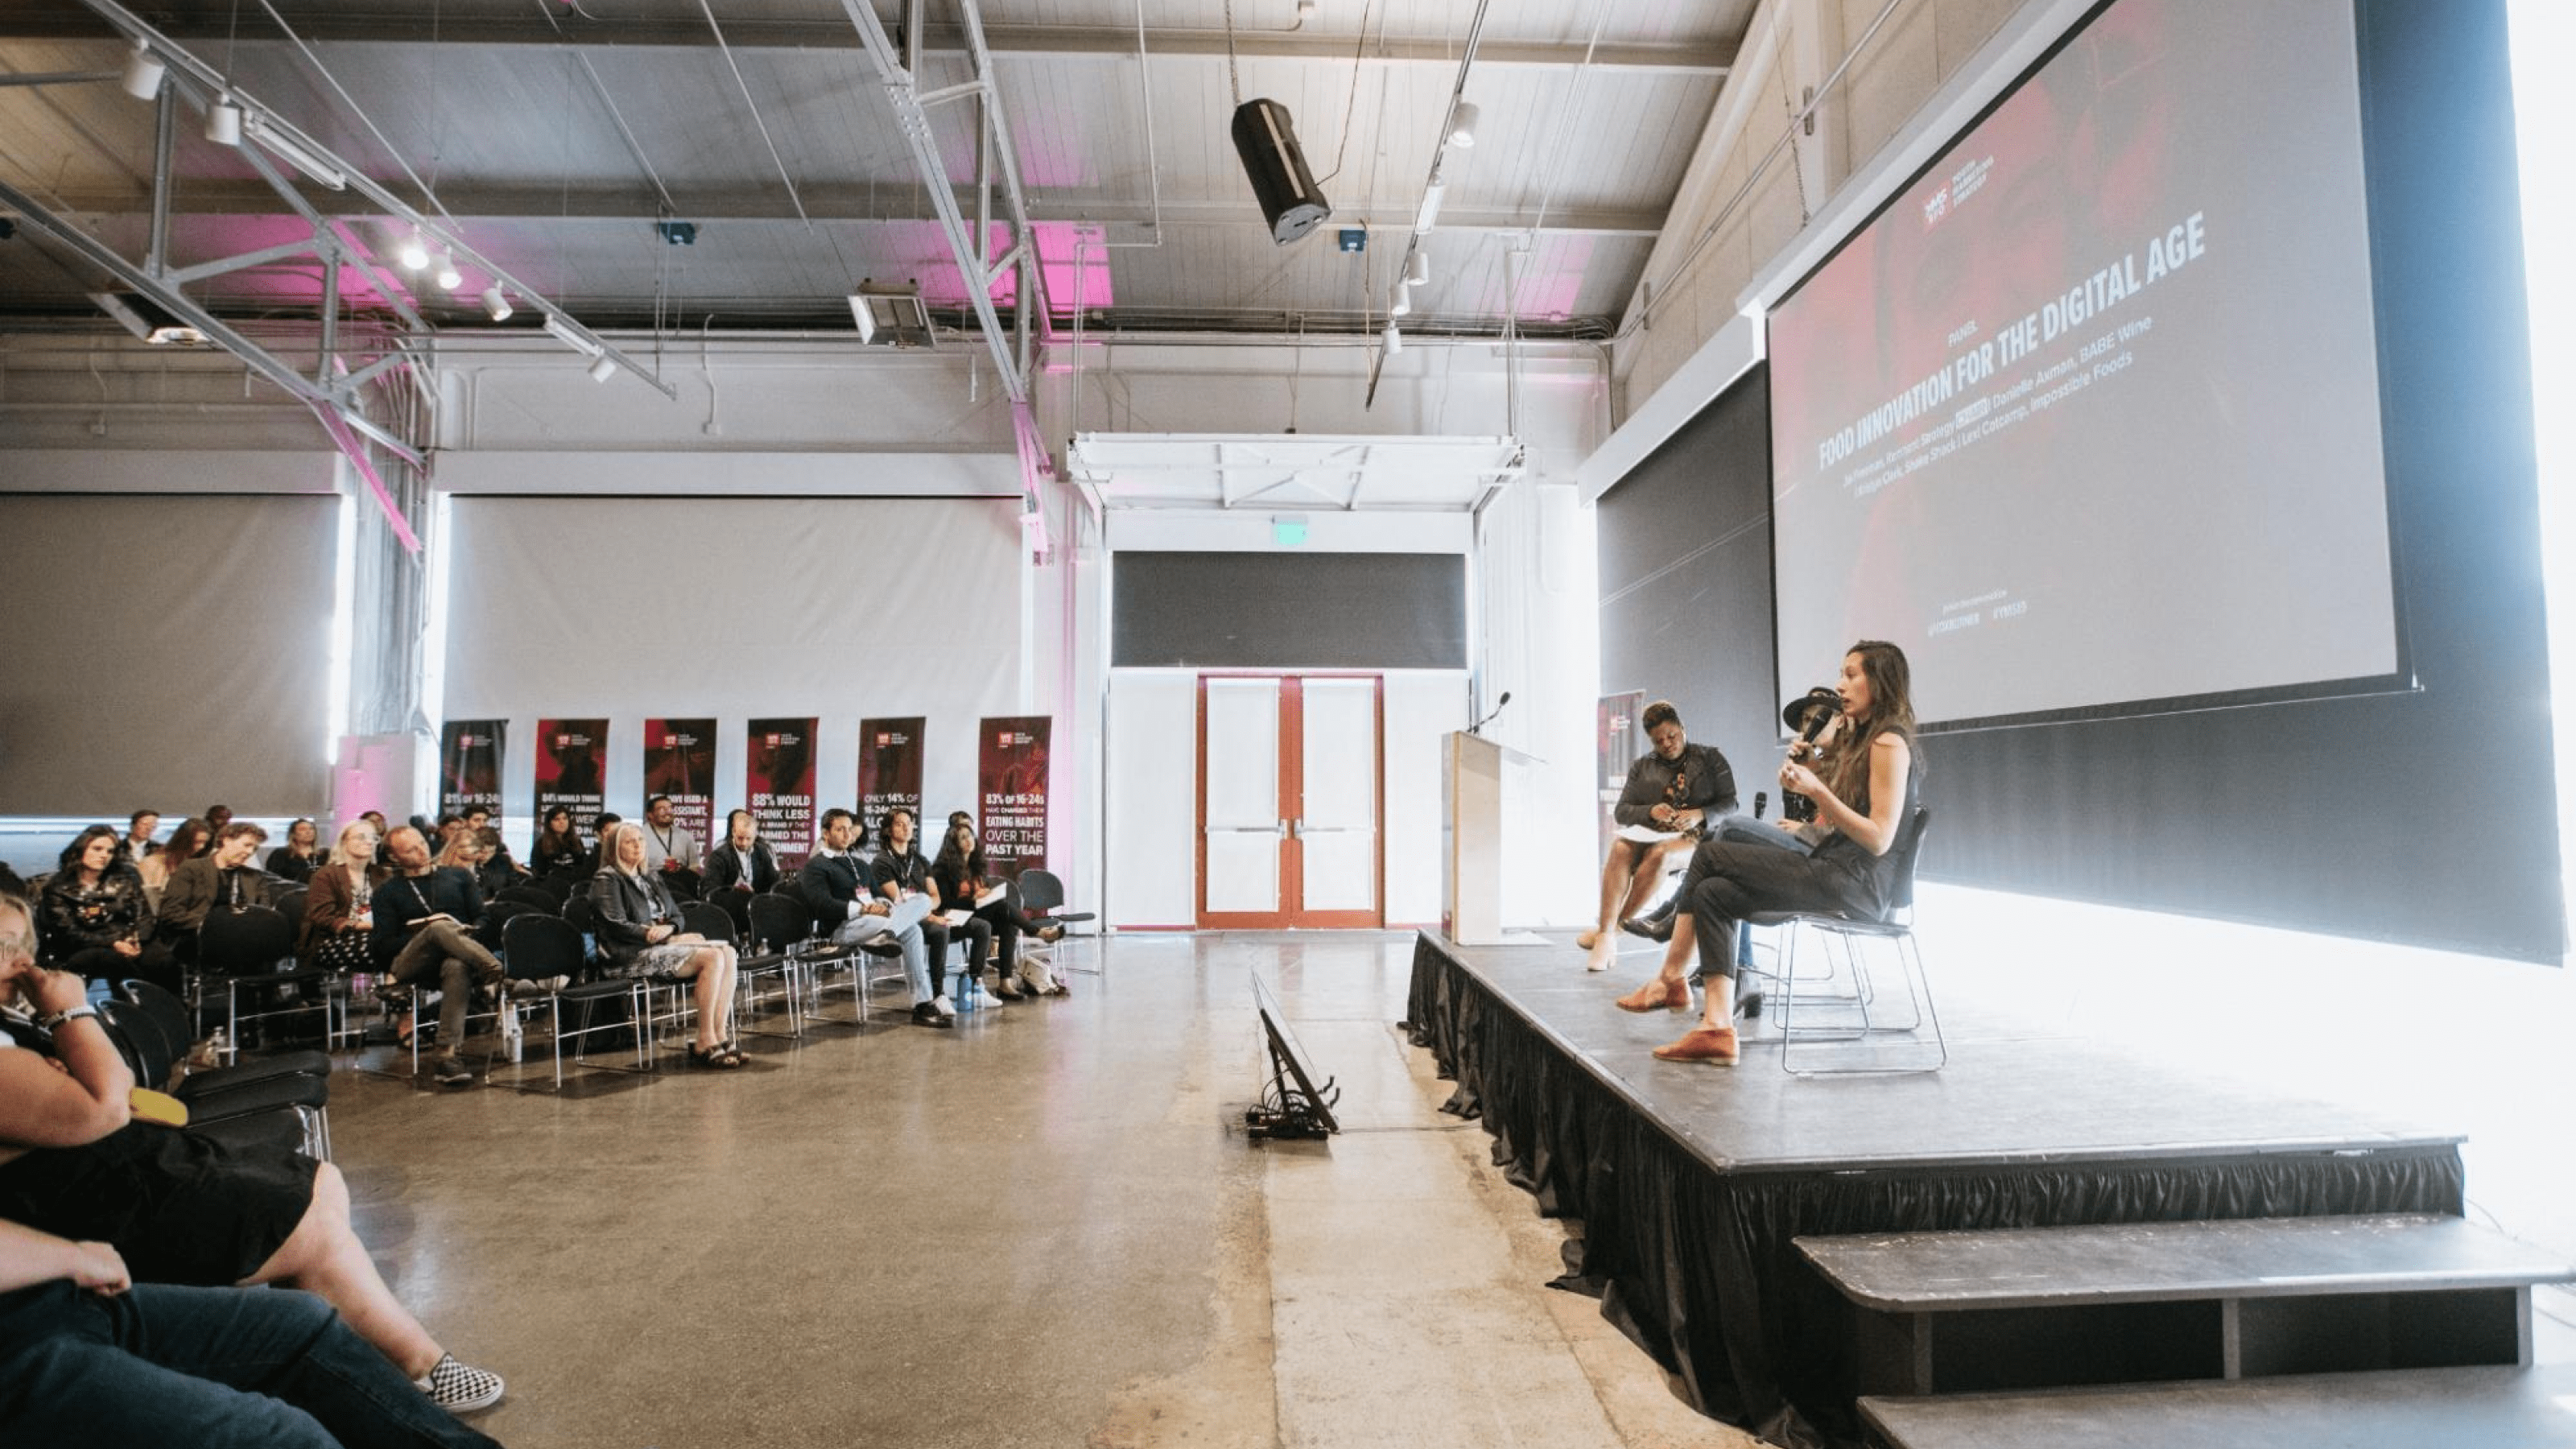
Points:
(1479, 726)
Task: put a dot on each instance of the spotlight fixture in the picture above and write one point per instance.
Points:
(677, 233)
(562, 332)
(1402, 305)
(1429, 216)
(604, 369)
(1267, 141)
(223, 121)
(413, 253)
(294, 153)
(1394, 340)
(448, 276)
(1462, 125)
(143, 71)
(496, 304)
(890, 316)
(1420, 271)
(146, 319)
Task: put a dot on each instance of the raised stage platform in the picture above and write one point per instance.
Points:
(1691, 1181)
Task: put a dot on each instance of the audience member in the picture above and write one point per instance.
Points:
(1029, 925)
(1675, 788)
(423, 920)
(900, 873)
(640, 933)
(668, 846)
(186, 843)
(599, 839)
(91, 1357)
(216, 818)
(838, 889)
(137, 842)
(376, 818)
(960, 875)
(558, 849)
(300, 856)
(94, 917)
(226, 878)
(337, 933)
(478, 818)
(176, 1206)
(740, 868)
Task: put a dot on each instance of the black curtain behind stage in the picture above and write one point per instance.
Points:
(2425, 818)
(1695, 1263)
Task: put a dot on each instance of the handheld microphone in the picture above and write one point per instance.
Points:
(1761, 802)
(1479, 726)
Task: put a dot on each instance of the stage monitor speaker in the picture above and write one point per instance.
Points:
(1267, 141)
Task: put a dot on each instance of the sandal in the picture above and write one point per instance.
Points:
(722, 1058)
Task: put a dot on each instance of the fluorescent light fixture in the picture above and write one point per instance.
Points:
(497, 304)
(414, 253)
(889, 315)
(143, 72)
(448, 276)
(1394, 340)
(1420, 271)
(563, 332)
(223, 122)
(604, 369)
(1462, 125)
(320, 172)
(1430, 213)
(146, 319)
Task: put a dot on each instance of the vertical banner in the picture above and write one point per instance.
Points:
(778, 766)
(1011, 784)
(1622, 740)
(469, 765)
(572, 760)
(890, 773)
(680, 761)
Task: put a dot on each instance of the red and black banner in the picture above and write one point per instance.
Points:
(572, 767)
(469, 765)
(1622, 740)
(680, 761)
(1011, 788)
(890, 773)
(778, 769)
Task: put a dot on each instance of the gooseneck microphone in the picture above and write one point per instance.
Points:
(1479, 726)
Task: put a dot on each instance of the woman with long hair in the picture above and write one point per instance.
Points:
(641, 934)
(93, 917)
(1865, 779)
(300, 856)
(339, 919)
(961, 875)
(185, 844)
(558, 849)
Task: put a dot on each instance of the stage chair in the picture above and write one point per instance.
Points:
(542, 948)
(1854, 999)
(1041, 894)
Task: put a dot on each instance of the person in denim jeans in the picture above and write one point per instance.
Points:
(89, 1357)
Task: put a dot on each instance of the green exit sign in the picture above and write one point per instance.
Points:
(1288, 532)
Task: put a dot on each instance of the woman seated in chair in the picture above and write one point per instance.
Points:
(339, 922)
(639, 930)
(179, 1207)
(95, 925)
(185, 844)
(558, 849)
(1863, 776)
(300, 856)
(961, 877)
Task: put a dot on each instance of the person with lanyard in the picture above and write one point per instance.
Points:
(669, 849)
(424, 920)
(223, 877)
(837, 890)
(900, 873)
(740, 868)
(478, 819)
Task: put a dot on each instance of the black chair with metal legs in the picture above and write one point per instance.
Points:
(254, 1109)
(705, 918)
(1042, 894)
(170, 1015)
(1858, 1022)
(528, 893)
(254, 948)
(543, 956)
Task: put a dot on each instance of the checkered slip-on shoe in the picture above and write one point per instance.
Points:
(459, 1388)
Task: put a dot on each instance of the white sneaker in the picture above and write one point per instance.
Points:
(943, 1006)
(985, 999)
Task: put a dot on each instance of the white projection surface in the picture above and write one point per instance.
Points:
(2089, 415)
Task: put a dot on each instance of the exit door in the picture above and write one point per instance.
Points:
(1290, 802)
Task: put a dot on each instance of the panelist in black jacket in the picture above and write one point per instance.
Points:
(1675, 788)
(425, 917)
(641, 934)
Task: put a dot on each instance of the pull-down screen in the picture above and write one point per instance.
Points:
(2089, 415)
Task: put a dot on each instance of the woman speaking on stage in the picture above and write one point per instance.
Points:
(1864, 777)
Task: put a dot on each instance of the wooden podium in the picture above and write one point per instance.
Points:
(1473, 775)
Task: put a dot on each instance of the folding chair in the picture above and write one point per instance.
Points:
(301, 1099)
(541, 949)
(255, 946)
(1852, 998)
(1041, 893)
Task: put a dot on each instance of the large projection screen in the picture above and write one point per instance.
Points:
(2087, 419)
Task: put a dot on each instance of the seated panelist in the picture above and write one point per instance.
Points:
(1677, 787)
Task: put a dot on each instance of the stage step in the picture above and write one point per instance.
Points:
(1953, 1312)
(2524, 1408)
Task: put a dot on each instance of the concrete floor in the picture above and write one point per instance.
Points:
(1046, 1228)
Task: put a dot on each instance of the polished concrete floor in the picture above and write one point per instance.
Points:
(1047, 1228)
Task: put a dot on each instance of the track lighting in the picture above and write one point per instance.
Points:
(1462, 125)
(448, 276)
(562, 332)
(143, 74)
(496, 304)
(414, 253)
(1429, 216)
(223, 122)
(604, 369)
(1402, 305)
(1420, 272)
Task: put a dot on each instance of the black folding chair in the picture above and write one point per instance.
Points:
(254, 947)
(292, 1103)
(541, 949)
(530, 894)
(169, 1016)
(1042, 894)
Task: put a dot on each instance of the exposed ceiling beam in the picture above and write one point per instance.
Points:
(411, 26)
(834, 203)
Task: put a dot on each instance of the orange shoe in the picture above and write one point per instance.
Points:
(1658, 995)
(1707, 1044)
(1584, 939)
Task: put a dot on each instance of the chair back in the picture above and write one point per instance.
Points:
(531, 895)
(1900, 890)
(559, 887)
(1040, 891)
(290, 902)
(248, 942)
(708, 920)
(167, 1011)
(498, 916)
(537, 944)
(138, 1039)
(778, 922)
(581, 915)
